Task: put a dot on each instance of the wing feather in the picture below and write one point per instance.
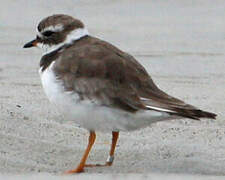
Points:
(102, 73)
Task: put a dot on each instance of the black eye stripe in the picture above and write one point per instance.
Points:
(48, 33)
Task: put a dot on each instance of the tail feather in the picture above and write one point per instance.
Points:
(205, 114)
(195, 114)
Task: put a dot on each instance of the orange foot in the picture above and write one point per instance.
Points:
(80, 170)
(99, 165)
(74, 171)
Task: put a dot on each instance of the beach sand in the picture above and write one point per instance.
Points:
(182, 46)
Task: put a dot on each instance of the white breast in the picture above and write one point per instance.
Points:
(52, 87)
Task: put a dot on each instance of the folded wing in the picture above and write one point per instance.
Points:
(115, 79)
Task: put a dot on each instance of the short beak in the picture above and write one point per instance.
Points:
(31, 44)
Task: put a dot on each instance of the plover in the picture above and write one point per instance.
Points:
(98, 86)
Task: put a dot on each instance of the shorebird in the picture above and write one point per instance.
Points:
(98, 86)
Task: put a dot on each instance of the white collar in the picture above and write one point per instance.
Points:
(71, 37)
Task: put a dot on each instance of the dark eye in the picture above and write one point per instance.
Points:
(48, 33)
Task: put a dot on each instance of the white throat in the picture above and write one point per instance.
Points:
(71, 37)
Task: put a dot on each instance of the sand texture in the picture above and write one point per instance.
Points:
(180, 43)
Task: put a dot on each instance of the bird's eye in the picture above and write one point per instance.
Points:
(48, 33)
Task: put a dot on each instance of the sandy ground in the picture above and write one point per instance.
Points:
(181, 44)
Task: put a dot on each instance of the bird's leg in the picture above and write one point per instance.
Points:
(115, 136)
(110, 159)
(80, 167)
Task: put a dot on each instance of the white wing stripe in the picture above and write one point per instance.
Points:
(160, 109)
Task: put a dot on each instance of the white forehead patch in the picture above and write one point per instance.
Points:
(39, 34)
(56, 28)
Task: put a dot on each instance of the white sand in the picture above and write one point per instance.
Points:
(182, 45)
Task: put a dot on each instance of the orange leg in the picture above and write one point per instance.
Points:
(80, 167)
(110, 159)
